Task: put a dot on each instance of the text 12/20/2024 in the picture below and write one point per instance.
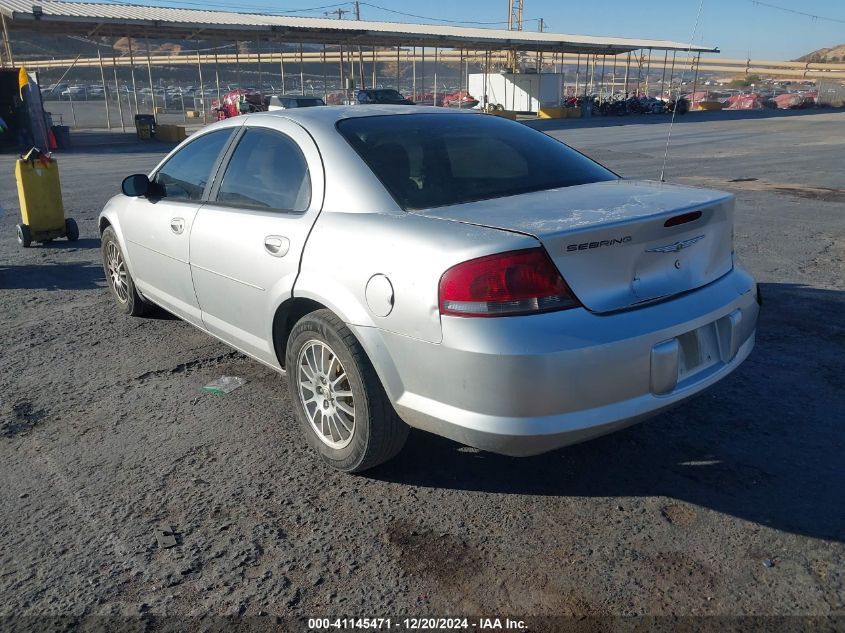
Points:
(417, 624)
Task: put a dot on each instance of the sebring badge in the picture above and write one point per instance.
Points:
(676, 247)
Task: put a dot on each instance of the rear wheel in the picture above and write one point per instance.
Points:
(120, 281)
(339, 400)
(71, 230)
(24, 235)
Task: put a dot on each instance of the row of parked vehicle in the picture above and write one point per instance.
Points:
(245, 101)
(84, 92)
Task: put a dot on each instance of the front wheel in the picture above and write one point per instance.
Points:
(339, 400)
(117, 275)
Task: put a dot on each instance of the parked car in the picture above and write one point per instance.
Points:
(285, 102)
(516, 304)
(384, 96)
(54, 91)
(74, 92)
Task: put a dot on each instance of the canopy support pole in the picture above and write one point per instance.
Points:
(695, 79)
(132, 71)
(301, 71)
(601, 81)
(361, 65)
(577, 74)
(422, 70)
(672, 72)
(325, 87)
(282, 66)
(202, 87)
(150, 74)
(217, 77)
(105, 89)
(613, 84)
(238, 62)
(258, 50)
(6, 44)
(434, 93)
(117, 92)
(627, 73)
(461, 86)
(485, 69)
(342, 85)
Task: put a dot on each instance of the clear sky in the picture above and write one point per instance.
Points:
(739, 27)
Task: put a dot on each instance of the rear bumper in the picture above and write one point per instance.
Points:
(526, 385)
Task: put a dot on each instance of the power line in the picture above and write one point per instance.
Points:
(796, 12)
(424, 17)
(220, 6)
(212, 5)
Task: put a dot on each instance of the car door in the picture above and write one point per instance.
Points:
(156, 229)
(247, 240)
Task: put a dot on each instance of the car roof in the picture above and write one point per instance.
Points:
(287, 96)
(329, 115)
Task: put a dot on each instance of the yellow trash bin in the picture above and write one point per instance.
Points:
(40, 197)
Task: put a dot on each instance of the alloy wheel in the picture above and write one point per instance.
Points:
(117, 273)
(325, 394)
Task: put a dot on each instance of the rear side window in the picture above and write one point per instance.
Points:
(185, 175)
(266, 171)
(435, 160)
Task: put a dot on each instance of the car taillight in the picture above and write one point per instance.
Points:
(505, 284)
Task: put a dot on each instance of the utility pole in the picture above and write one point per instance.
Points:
(338, 12)
(514, 24)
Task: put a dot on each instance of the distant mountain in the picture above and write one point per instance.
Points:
(833, 55)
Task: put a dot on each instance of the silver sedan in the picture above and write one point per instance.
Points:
(449, 271)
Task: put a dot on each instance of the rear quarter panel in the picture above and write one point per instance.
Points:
(346, 250)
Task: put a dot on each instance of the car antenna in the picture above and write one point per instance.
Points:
(675, 109)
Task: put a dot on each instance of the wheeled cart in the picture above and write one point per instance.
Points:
(40, 196)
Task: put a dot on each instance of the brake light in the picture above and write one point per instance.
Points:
(505, 284)
(692, 216)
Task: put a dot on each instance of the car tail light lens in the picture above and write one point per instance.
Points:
(506, 284)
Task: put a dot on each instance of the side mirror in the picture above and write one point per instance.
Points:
(136, 186)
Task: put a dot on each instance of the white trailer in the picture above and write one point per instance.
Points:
(522, 92)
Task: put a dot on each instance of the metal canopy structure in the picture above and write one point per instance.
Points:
(121, 20)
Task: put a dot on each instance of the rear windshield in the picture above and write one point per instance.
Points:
(435, 160)
(307, 103)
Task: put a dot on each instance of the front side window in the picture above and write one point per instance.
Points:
(185, 174)
(435, 160)
(267, 171)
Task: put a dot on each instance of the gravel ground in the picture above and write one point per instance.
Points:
(731, 505)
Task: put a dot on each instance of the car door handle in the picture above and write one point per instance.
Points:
(177, 225)
(276, 245)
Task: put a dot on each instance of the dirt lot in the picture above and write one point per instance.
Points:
(731, 505)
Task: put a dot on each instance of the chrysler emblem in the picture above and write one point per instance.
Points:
(676, 247)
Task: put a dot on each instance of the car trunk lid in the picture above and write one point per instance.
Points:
(619, 243)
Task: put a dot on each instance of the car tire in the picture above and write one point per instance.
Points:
(71, 230)
(120, 282)
(24, 235)
(377, 433)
